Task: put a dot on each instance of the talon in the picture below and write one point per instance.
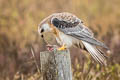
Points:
(62, 48)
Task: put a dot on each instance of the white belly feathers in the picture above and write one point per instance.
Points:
(66, 40)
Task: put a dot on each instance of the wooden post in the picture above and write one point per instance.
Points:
(56, 65)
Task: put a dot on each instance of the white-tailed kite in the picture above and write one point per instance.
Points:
(70, 31)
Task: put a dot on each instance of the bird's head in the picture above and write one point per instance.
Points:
(44, 26)
(47, 23)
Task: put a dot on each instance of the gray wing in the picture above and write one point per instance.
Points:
(77, 30)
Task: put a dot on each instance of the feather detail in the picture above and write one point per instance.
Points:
(95, 53)
(69, 30)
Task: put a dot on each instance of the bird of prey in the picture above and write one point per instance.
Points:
(69, 31)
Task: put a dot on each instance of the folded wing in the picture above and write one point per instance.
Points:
(77, 30)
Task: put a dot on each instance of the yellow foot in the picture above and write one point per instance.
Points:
(62, 48)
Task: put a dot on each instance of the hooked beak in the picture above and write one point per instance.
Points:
(40, 31)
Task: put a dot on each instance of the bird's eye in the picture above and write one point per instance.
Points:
(42, 30)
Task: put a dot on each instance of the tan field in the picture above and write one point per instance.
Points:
(19, 21)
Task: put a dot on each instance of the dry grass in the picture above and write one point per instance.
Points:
(18, 31)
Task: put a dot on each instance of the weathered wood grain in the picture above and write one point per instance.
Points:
(56, 65)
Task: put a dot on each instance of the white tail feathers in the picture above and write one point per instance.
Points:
(95, 53)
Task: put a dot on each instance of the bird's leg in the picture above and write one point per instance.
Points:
(62, 48)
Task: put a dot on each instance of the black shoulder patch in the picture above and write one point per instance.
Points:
(63, 24)
(56, 22)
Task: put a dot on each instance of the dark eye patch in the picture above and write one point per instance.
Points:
(42, 30)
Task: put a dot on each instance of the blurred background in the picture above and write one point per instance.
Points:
(18, 33)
